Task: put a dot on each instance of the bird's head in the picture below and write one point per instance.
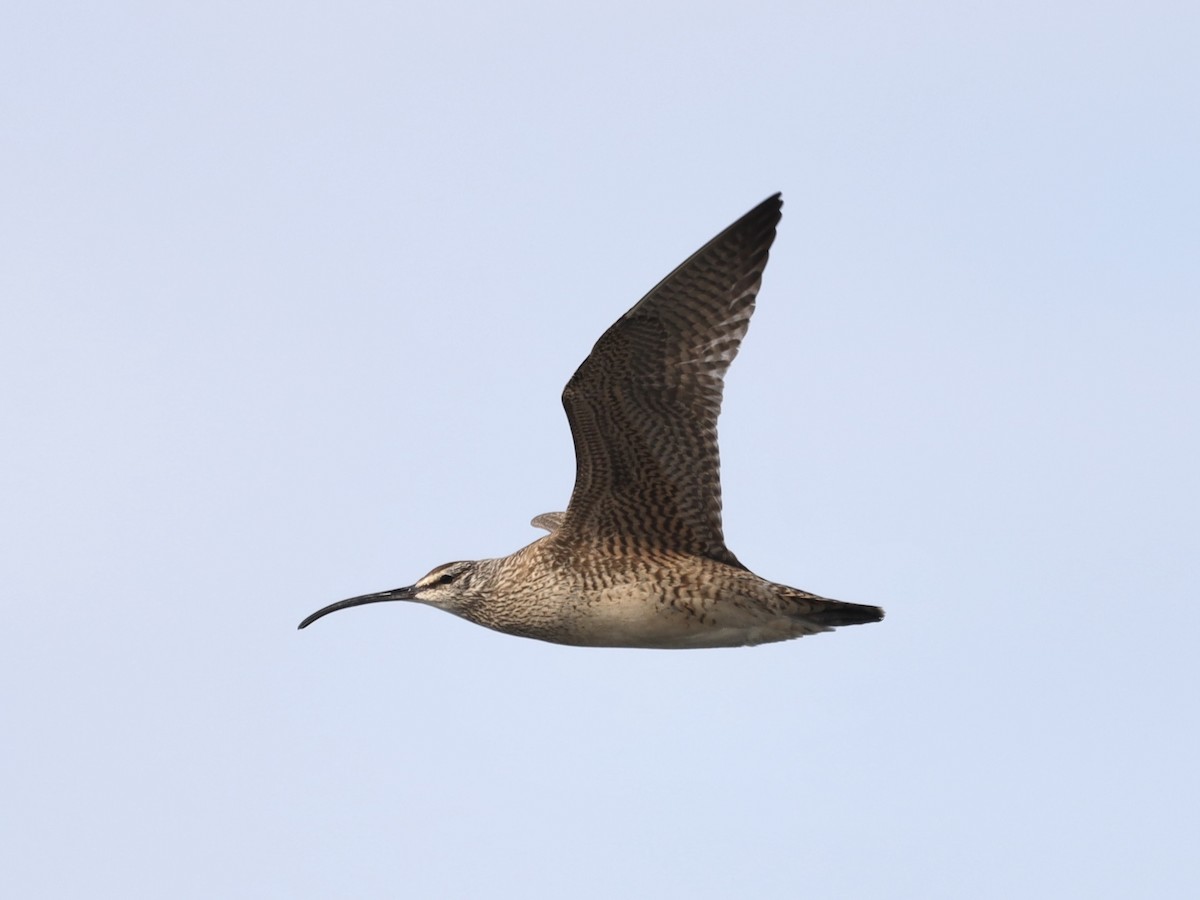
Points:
(450, 587)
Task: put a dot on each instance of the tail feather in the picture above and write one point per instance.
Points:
(835, 613)
(825, 613)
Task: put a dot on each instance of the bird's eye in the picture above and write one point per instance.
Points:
(446, 579)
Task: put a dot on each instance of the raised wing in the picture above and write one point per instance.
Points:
(643, 406)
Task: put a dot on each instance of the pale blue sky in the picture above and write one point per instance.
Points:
(289, 295)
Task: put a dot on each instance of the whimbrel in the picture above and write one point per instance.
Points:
(639, 557)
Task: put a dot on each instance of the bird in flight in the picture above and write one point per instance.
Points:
(639, 558)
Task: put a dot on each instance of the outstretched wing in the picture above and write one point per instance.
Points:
(643, 406)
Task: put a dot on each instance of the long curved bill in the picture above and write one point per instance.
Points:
(404, 593)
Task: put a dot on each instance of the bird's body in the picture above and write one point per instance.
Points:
(644, 598)
(639, 557)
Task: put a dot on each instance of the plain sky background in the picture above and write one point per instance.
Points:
(289, 293)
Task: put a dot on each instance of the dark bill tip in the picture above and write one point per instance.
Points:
(404, 593)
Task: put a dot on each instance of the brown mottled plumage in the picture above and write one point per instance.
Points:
(639, 557)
